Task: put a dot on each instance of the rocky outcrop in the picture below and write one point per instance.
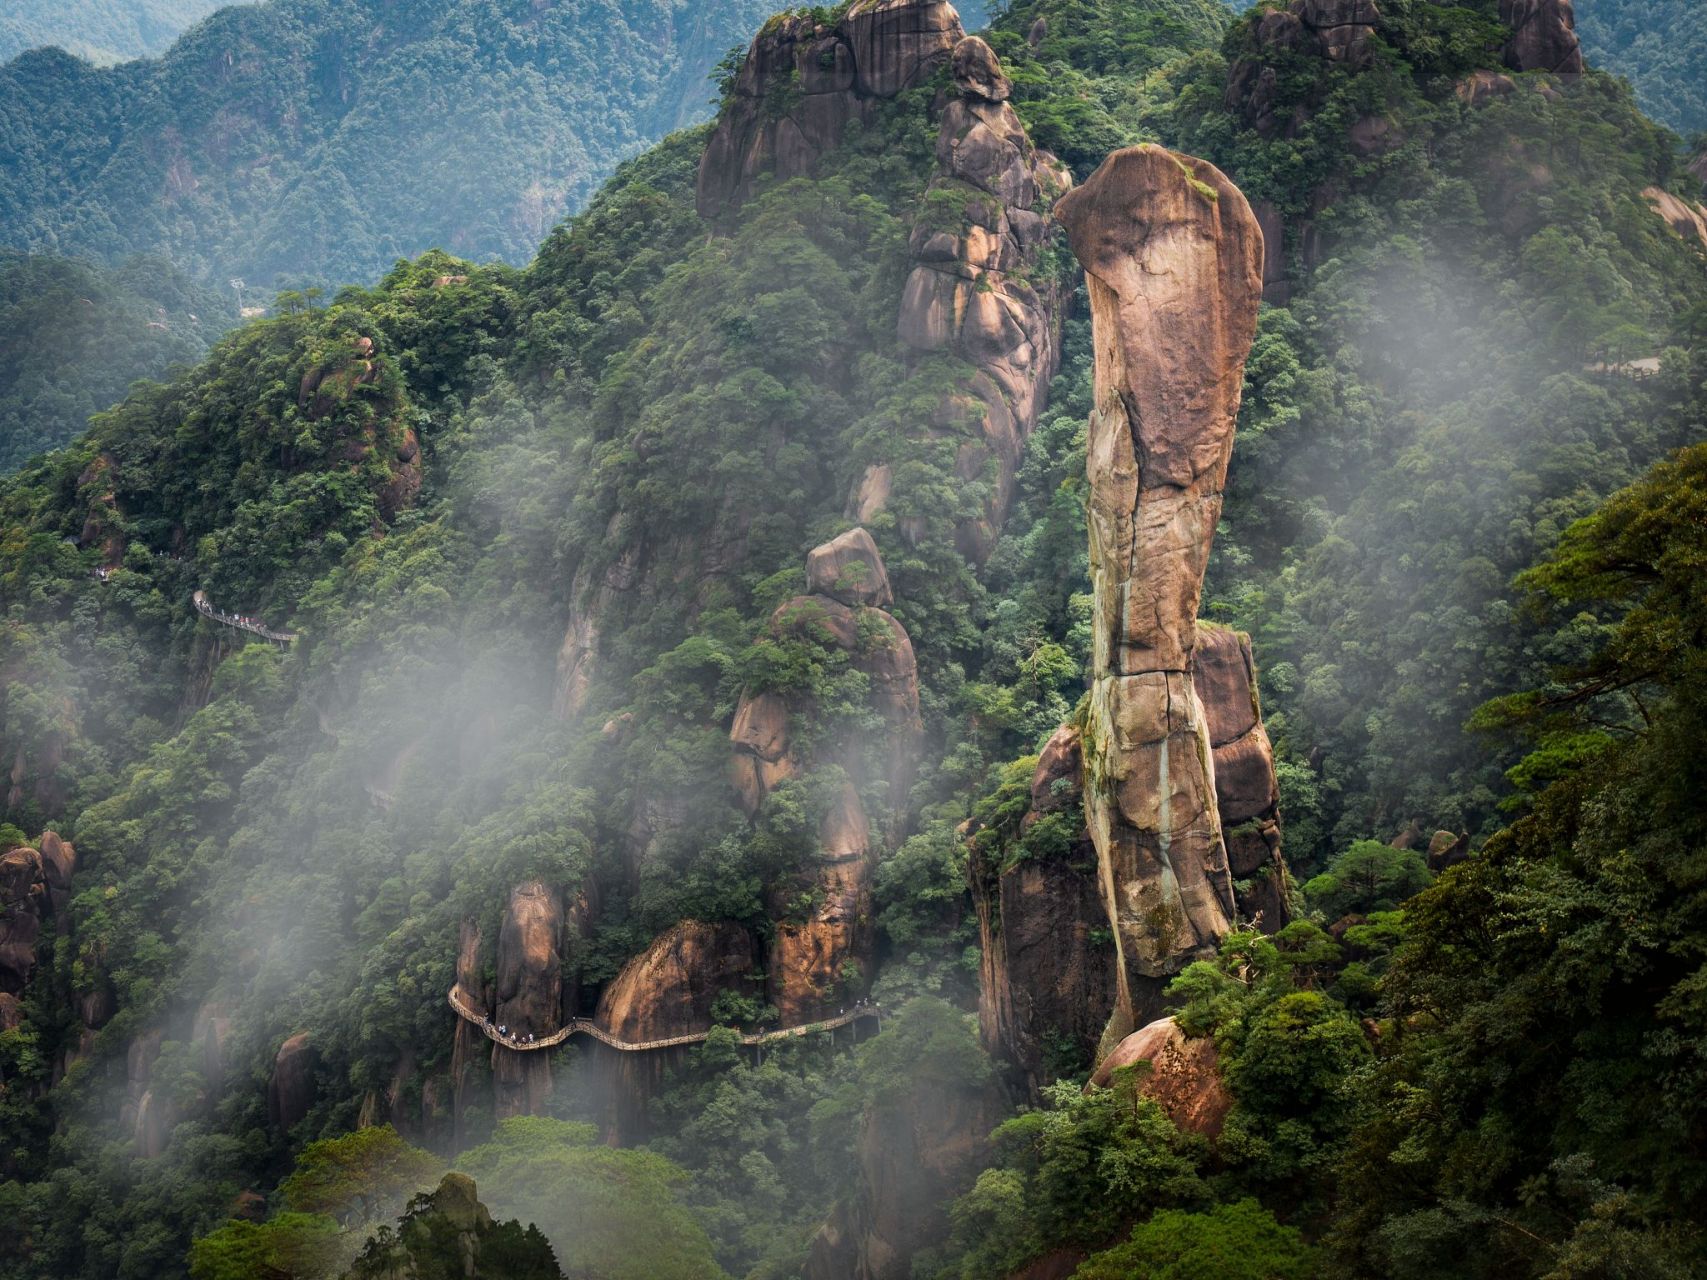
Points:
(1484, 86)
(1543, 36)
(291, 1087)
(1183, 1075)
(1046, 980)
(821, 949)
(1446, 850)
(668, 989)
(528, 992)
(1341, 31)
(1173, 259)
(35, 886)
(976, 290)
(804, 81)
(451, 1233)
(1246, 791)
(1687, 219)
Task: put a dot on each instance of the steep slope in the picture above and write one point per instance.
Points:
(1660, 47)
(317, 141)
(100, 31)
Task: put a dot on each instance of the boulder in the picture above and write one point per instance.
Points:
(978, 72)
(1447, 850)
(896, 43)
(1483, 86)
(1057, 782)
(668, 989)
(1173, 257)
(849, 569)
(1183, 1077)
(1543, 36)
(291, 1087)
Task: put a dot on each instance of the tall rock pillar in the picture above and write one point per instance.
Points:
(1173, 257)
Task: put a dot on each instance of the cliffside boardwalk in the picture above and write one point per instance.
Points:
(207, 609)
(586, 1026)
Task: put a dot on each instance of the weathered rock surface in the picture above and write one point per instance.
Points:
(1687, 219)
(1183, 1078)
(1543, 36)
(1173, 257)
(1447, 849)
(291, 1089)
(668, 989)
(1335, 30)
(849, 569)
(819, 957)
(528, 992)
(974, 291)
(1246, 790)
(35, 886)
(1484, 86)
(803, 83)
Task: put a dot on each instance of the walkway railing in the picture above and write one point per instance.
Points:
(587, 1027)
(206, 608)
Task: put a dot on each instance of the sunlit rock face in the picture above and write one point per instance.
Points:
(1543, 36)
(1183, 1076)
(1173, 258)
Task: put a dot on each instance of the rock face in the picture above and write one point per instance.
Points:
(1335, 30)
(1246, 791)
(821, 953)
(1184, 1076)
(529, 995)
(290, 1090)
(35, 886)
(1173, 257)
(1688, 220)
(1543, 36)
(974, 291)
(804, 81)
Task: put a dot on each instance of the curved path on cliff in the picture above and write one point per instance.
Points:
(587, 1027)
(207, 609)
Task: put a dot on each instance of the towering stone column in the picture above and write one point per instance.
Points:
(1173, 257)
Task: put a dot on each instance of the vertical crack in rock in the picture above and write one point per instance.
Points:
(1174, 260)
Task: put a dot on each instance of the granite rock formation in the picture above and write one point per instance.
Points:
(291, 1087)
(1173, 257)
(1339, 31)
(1182, 1075)
(35, 886)
(1246, 791)
(817, 954)
(528, 994)
(804, 81)
(1543, 36)
(975, 291)
(1689, 220)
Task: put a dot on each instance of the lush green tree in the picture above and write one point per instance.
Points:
(358, 1177)
(1238, 1241)
(1370, 876)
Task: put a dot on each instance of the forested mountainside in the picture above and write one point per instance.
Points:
(686, 638)
(102, 31)
(74, 336)
(305, 142)
(1659, 46)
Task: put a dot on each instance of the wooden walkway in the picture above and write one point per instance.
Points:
(587, 1027)
(206, 608)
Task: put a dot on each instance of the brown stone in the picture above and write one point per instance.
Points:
(978, 72)
(1057, 782)
(291, 1089)
(849, 568)
(1183, 1078)
(529, 994)
(1483, 86)
(1689, 220)
(668, 989)
(1543, 36)
(1173, 257)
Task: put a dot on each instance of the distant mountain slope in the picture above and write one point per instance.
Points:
(1660, 46)
(313, 141)
(74, 337)
(99, 30)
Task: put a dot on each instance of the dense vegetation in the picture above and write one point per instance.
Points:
(73, 337)
(317, 141)
(414, 476)
(1658, 45)
(99, 30)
